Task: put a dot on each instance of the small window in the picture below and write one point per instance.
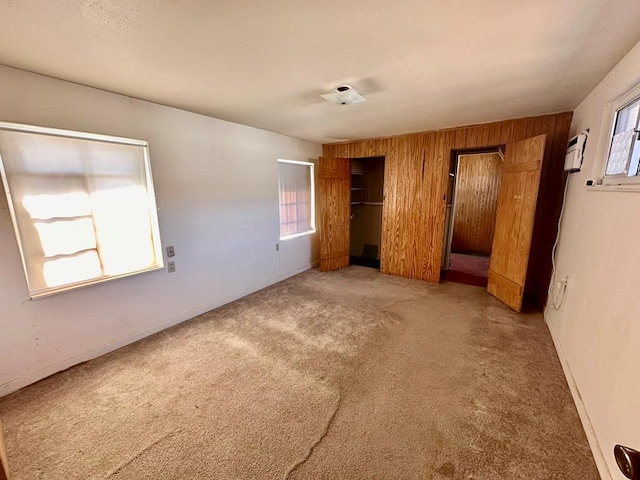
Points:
(82, 205)
(624, 148)
(297, 202)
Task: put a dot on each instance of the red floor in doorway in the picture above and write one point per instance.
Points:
(468, 269)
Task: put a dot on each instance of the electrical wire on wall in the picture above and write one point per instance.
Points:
(558, 288)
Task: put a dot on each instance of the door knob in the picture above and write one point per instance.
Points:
(628, 461)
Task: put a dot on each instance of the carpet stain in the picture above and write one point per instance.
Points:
(447, 469)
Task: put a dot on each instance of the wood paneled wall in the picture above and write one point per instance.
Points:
(474, 219)
(416, 170)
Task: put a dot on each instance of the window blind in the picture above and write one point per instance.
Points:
(83, 206)
(296, 198)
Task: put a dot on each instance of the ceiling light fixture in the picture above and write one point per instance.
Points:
(344, 95)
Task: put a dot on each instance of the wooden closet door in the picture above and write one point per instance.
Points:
(334, 195)
(517, 200)
(4, 467)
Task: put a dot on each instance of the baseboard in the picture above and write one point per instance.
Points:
(45, 372)
(592, 438)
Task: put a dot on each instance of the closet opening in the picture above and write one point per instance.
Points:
(367, 196)
(472, 202)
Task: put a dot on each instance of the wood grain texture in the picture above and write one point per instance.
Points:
(4, 464)
(405, 155)
(515, 219)
(334, 197)
(476, 201)
(505, 290)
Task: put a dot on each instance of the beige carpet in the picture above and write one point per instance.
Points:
(342, 375)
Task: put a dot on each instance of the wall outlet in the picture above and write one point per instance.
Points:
(277, 247)
(171, 267)
(561, 284)
(171, 252)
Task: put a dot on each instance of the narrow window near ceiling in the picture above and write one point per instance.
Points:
(297, 199)
(82, 205)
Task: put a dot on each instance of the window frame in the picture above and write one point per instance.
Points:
(611, 117)
(312, 195)
(150, 203)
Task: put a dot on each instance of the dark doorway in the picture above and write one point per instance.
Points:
(367, 193)
(475, 184)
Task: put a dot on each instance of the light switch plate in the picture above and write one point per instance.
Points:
(171, 267)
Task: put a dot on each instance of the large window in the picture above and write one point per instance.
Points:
(82, 205)
(297, 203)
(624, 150)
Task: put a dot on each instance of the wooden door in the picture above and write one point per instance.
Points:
(4, 468)
(334, 196)
(519, 184)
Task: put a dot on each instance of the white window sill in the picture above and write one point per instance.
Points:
(296, 235)
(629, 188)
(87, 283)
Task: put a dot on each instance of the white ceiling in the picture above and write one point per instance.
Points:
(422, 64)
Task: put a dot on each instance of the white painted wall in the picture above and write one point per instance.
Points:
(217, 192)
(597, 328)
